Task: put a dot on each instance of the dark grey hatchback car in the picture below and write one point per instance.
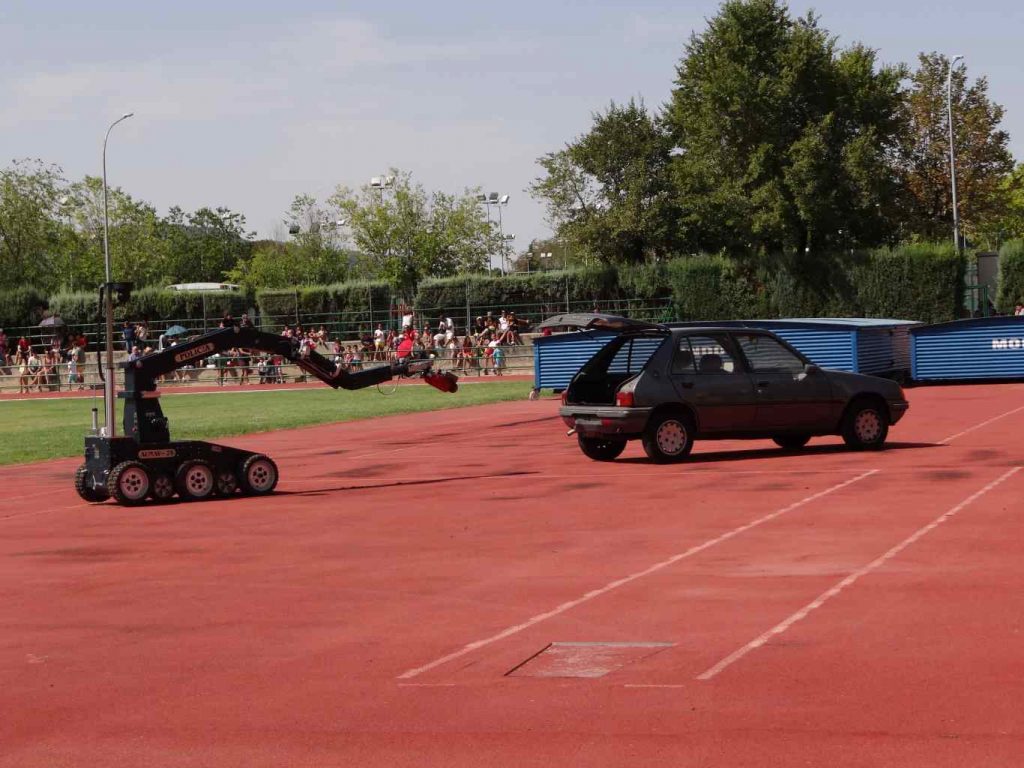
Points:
(669, 385)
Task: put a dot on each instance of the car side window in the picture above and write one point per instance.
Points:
(767, 355)
(682, 360)
(711, 355)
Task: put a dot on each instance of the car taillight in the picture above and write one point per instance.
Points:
(624, 399)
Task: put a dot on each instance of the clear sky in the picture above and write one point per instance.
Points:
(248, 104)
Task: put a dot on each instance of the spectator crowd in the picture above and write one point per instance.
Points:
(483, 349)
(56, 364)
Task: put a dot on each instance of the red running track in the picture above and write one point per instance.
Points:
(820, 608)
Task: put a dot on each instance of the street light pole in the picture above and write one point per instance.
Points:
(109, 419)
(952, 151)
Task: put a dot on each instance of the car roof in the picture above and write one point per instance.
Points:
(598, 321)
(693, 330)
(626, 325)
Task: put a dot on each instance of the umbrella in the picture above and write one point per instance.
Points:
(51, 322)
(175, 330)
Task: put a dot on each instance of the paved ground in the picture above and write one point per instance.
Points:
(464, 588)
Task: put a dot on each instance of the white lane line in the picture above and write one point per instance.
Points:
(508, 632)
(828, 594)
(951, 438)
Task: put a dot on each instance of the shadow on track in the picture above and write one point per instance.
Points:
(401, 483)
(779, 453)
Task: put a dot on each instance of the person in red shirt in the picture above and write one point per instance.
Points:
(406, 344)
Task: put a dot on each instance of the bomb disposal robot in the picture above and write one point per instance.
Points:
(145, 463)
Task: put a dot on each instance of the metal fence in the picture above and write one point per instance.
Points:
(476, 362)
(351, 326)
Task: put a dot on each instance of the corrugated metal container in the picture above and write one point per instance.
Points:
(557, 358)
(978, 348)
(857, 344)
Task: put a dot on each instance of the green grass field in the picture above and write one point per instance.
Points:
(35, 430)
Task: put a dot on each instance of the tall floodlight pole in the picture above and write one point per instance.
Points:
(109, 418)
(498, 201)
(952, 151)
(503, 201)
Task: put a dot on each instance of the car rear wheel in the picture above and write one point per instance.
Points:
(600, 448)
(865, 426)
(791, 442)
(668, 437)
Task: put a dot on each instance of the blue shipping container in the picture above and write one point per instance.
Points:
(977, 348)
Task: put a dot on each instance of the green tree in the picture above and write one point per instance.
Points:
(782, 139)
(317, 240)
(137, 246)
(270, 264)
(404, 233)
(983, 159)
(203, 246)
(31, 233)
(1011, 226)
(609, 193)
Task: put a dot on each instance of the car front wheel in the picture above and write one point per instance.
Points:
(668, 437)
(865, 426)
(601, 449)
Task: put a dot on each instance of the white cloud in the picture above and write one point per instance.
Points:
(273, 111)
(233, 80)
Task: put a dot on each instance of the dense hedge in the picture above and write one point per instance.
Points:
(21, 307)
(918, 282)
(921, 282)
(1011, 276)
(152, 303)
(714, 288)
(353, 299)
(515, 291)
